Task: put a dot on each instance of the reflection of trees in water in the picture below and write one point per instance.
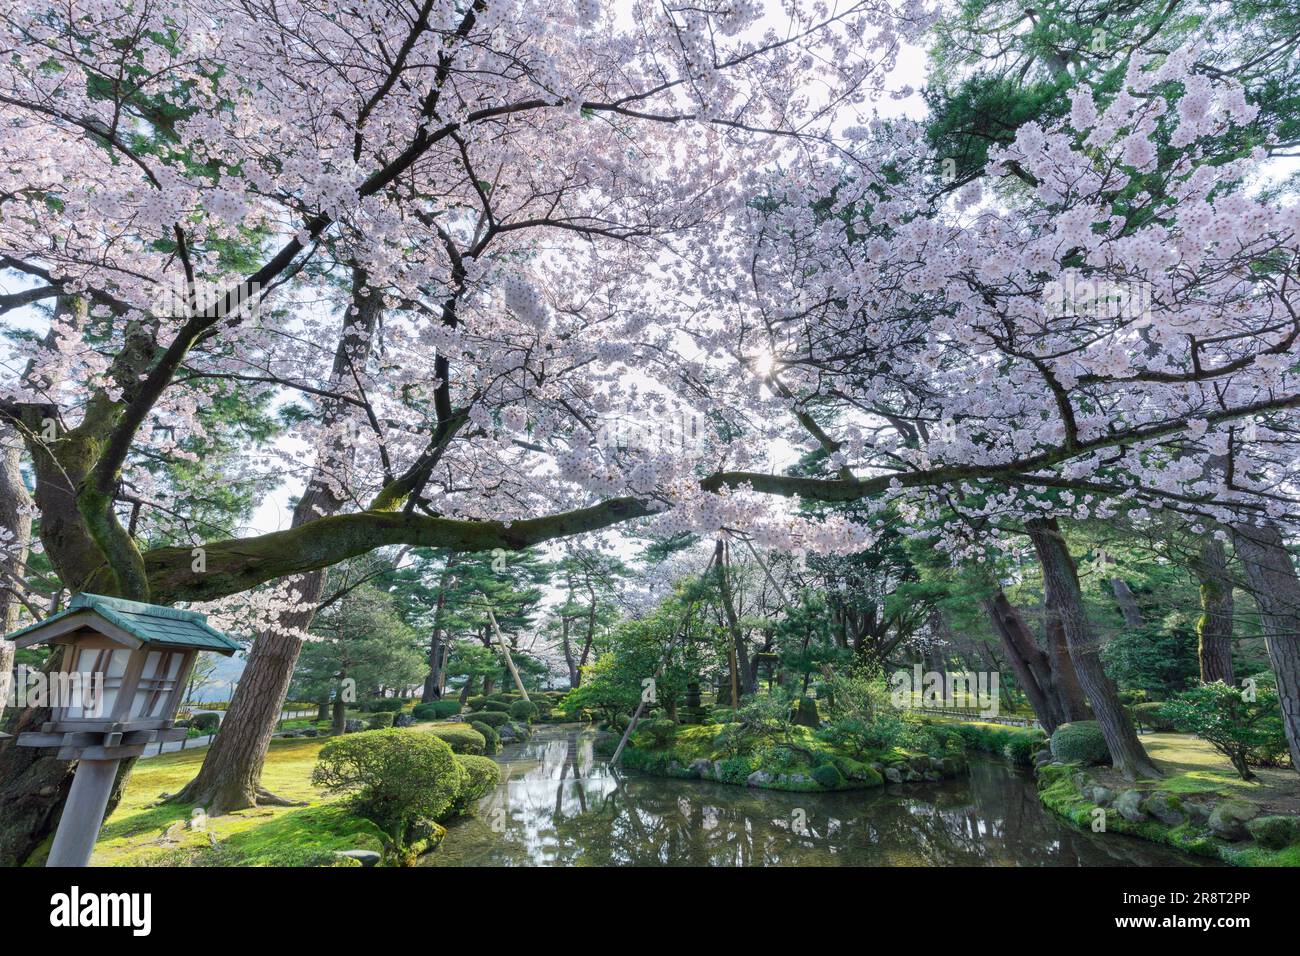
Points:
(564, 808)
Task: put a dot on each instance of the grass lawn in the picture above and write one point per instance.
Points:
(142, 831)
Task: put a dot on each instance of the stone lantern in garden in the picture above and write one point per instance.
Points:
(124, 669)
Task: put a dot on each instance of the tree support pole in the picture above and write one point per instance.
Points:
(505, 652)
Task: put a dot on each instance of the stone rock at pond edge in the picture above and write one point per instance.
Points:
(1228, 820)
(1198, 812)
(364, 857)
(912, 776)
(759, 778)
(932, 776)
(1043, 756)
(1129, 806)
(1166, 808)
(1102, 796)
(701, 768)
(893, 775)
(404, 720)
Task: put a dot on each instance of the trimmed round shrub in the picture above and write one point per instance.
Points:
(523, 710)
(1080, 742)
(498, 705)
(476, 703)
(481, 776)
(1151, 714)
(380, 721)
(462, 740)
(384, 705)
(828, 776)
(493, 718)
(492, 740)
(394, 777)
(207, 723)
(659, 732)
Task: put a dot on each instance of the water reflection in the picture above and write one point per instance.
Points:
(558, 805)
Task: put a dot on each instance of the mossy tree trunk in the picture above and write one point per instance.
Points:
(1214, 627)
(1061, 582)
(1033, 669)
(1271, 572)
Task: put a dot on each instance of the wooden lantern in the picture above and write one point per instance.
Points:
(124, 669)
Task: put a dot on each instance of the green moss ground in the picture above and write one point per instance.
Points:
(143, 831)
(1192, 768)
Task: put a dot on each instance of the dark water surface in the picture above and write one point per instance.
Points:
(559, 806)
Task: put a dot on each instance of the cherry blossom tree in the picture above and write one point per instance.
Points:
(468, 183)
(487, 237)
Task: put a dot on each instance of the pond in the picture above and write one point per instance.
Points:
(558, 805)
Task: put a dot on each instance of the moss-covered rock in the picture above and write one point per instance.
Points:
(1229, 818)
(1166, 808)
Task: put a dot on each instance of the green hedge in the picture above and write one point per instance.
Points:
(1017, 744)
(384, 705)
(493, 718)
(1080, 742)
(524, 710)
(436, 710)
(492, 740)
(480, 776)
(462, 740)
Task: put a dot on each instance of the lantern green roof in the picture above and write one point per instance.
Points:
(148, 623)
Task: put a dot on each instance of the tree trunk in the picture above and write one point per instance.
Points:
(339, 721)
(467, 690)
(1276, 589)
(322, 711)
(1033, 670)
(433, 682)
(741, 659)
(230, 778)
(1214, 628)
(231, 775)
(1061, 582)
(575, 674)
(16, 523)
(1066, 687)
